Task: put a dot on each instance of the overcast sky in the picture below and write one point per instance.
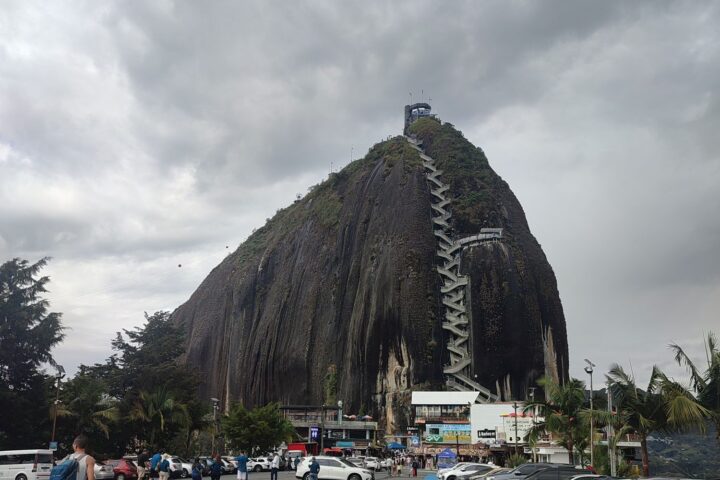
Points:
(137, 136)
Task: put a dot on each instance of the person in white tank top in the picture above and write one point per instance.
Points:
(86, 463)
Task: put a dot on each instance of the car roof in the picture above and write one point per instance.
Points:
(21, 452)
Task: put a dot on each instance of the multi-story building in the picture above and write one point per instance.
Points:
(328, 427)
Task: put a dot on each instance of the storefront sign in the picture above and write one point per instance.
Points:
(486, 433)
(447, 433)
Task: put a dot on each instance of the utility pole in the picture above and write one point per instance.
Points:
(532, 400)
(322, 429)
(216, 403)
(515, 407)
(589, 371)
(59, 375)
(611, 436)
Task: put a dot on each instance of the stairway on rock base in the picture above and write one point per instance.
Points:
(454, 284)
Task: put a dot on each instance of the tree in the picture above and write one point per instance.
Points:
(28, 332)
(159, 415)
(664, 405)
(561, 412)
(257, 430)
(706, 384)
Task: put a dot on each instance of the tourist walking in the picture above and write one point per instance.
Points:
(197, 470)
(142, 460)
(86, 463)
(242, 459)
(164, 467)
(414, 467)
(155, 464)
(216, 469)
(314, 469)
(274, 466)
(398, 468)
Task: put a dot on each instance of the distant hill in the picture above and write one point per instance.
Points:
(689, 455)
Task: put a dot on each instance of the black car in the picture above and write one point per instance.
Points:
(522, 471)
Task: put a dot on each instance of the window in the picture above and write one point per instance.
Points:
(550, 474)
(327, 462)
(44, 458)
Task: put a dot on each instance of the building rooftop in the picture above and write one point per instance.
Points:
(444, 398)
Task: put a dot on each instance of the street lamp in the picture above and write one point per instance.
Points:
(216, 405)
(322, 429)
(515, 407)
(589, 371)
(58, 376)
(532, 400)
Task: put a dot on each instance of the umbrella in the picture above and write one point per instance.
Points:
(395, 446)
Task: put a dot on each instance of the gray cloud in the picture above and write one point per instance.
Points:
(139, 136)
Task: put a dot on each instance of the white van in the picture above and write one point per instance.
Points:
(25, 464)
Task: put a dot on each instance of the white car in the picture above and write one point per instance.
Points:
(373, 463)
(444, 470)
(185, 466)
(333, 468)
(465, 471)
(258, 464)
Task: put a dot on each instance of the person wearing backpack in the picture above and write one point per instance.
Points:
(155, 465)
(77, 466)
(216, 468)
(197, 470)
(164, 467)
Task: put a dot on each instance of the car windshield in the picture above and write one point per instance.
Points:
(346, 463)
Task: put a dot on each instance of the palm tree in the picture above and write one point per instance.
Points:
(157, 411)
(560, 412)
(705, 384)
(86, 408)
(664, 405)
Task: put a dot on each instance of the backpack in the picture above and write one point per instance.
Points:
(67, 469)
(216, 469)
(164, 466)
(196, 473)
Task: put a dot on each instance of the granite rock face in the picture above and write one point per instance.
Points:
(337, 296)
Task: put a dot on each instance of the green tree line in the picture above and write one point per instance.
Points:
(142, 396)
(663, 405)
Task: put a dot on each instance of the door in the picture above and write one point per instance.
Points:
(331, 469)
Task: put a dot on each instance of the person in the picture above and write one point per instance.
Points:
(314, 469)
(142, 460)
(296, 462)
(274, 466)
(154, 464)
(197, 470)
(216, 468)
(242, 459)
(164, 467)
(398, 470)
(86, 463)
(415, 466)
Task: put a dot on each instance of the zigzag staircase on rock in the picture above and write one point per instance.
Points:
(458, 371)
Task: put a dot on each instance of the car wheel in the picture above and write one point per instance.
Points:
(257, 468)
(21, 477)
(120, 476)
(306, 476)
(354, 476)
(451, 477)
(185, 473)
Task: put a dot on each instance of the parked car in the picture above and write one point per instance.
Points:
(230, 459)
(334, 468)
(228, 467)
(555, 472)
(447, 469)
(591, 476)
(373, 463)
(26, 464)
(522, 471)
(387, 463)
(358, 462)
(466, 471)
(185, 466)
(258, 464)
(104, 471)
(485, 475)
(123, 468)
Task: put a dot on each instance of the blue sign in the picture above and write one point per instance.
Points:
(314, 434)
(415, 441)
(53, 445)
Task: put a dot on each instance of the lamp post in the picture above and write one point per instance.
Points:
(515, 407)
(532, 400)
(589, 371)
(322, 429)
(58, 376)
(216, 404)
